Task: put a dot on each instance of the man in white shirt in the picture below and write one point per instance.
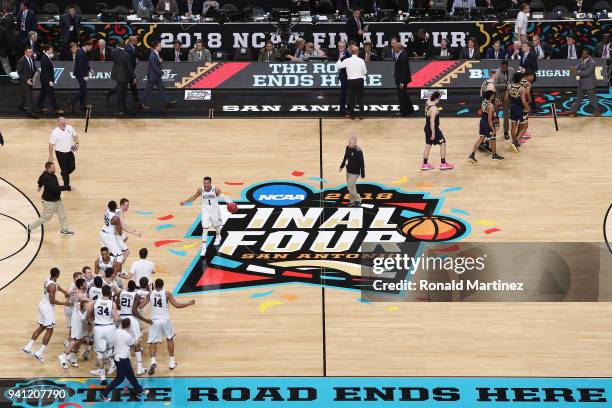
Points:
(141, 268)
(123, 342)
(64, 141)
(356, 73)
(522, 20)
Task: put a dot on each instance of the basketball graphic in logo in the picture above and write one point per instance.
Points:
(432, 228)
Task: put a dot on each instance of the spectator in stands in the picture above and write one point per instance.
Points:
(387, 51)
(342, 7)
(420, 46)
(444, 51)
(603, 47)
(191, 7)
(8, 41)
(26, 21)
(47, 82)
(26, 68)
(367, 54)
(355, 27)
(73, 51)
(402, 77)
(503, 76)
(102, 52)
(69, 25)
(297, 54)
(462, 4)
(167, 8)
(312, 52)
(496, 51)
(570, 50)
(199, 53)
(340, 54)
(144, 8)
(176, 53)
(32, 42)
(516, 53)
(542, 51)
(470, 52)
(522, 21)
(269, 53)
(81, 71)
(210, 6)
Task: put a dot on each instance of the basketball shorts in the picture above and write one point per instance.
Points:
(486, 132)
(68, 316)
(211, 219)
(109, 241)
(104, 337)
(78, 326)
(121, 243)
(438, 139)
(518, 115)
(46, 315)
(134, 326)
(159, 329)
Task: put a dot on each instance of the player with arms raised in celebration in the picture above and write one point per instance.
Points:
(111, 232)
(210, 209)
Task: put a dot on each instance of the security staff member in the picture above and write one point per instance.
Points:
(51, 200)
(355, 167)
(123, 341)
(64, 140)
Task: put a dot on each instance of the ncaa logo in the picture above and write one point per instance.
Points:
(279, 194)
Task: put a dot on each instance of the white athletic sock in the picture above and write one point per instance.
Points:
(72, 356)
(138, 357)
(171, 360)
(153, 361)
(29, 345)
(41, 349)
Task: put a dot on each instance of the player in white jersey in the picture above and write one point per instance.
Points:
(70, 296)
(111, 231)
(104, 314)
(161, 326)
(78, 326)
(93, 293)
(105, 261)
(128, 301)
(88, 276)
(46, 314)
(211, 215)
(124, 206)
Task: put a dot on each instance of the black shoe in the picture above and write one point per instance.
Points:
(68, 188)
(108, 95)
(506, 135)
(102, 398)
(497, 157)
(472, 158)
(152, 369)
(32, 115)
(141, 393)
(400, 115)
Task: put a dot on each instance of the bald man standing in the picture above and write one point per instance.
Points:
(64, 141)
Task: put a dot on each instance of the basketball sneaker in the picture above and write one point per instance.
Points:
(141, 371)
(506, 135)
(172, 364)
(217, 240)
(104, 398)
(142, 393)
(152, 369)
(39, 357)
(497, 157)
(427, 166)
(95, 372)
(66, 232)
(63, 361)
(515, 146)
(472, 158)
(446, 166)
(28, 351)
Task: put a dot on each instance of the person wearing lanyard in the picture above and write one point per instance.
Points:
(64, 141)
(51, 200)
(123, 342)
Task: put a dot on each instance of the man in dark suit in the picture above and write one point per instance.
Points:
(496, 51)
(130, 50)
(355, 27)
(402, 76)
(81, 73)
(102, 52)
(269, 53)
(542, 50)
(604, 48)
(47, 82)
(70, 25)
(8, 40)
(340, 54)
(154, 77)
(529, 63)
(176, 53)
(190, 7)
(26, 20)
(31, 42)
(26, 68)
(123, 74)
(570, 50)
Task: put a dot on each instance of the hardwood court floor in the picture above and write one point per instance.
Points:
(557, 189)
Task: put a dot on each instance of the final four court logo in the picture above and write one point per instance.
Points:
(287, 232)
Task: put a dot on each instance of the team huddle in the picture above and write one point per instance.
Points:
(107, 303)
(518, 95)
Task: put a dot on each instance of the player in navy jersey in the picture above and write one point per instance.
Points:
(488, 129)
(433, 134)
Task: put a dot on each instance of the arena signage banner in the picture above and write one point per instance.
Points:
(320, 75)
(231, 36)
(315, 392)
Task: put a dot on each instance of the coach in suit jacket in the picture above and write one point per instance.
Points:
(571, 50)
(102, 52)
(176, 53)
(496, 51)
(403, 77)
(269, 53)
(199, 53)
(26, 68)
(26, 20)
(355, 27)
(503, 77)
(31, 42)
(81, 73)
(586, 83)
(604, 48)
(123, 74)
(471, 51)
(47, 82)
(155, 77)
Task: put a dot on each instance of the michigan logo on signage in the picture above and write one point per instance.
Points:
(287, 232)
